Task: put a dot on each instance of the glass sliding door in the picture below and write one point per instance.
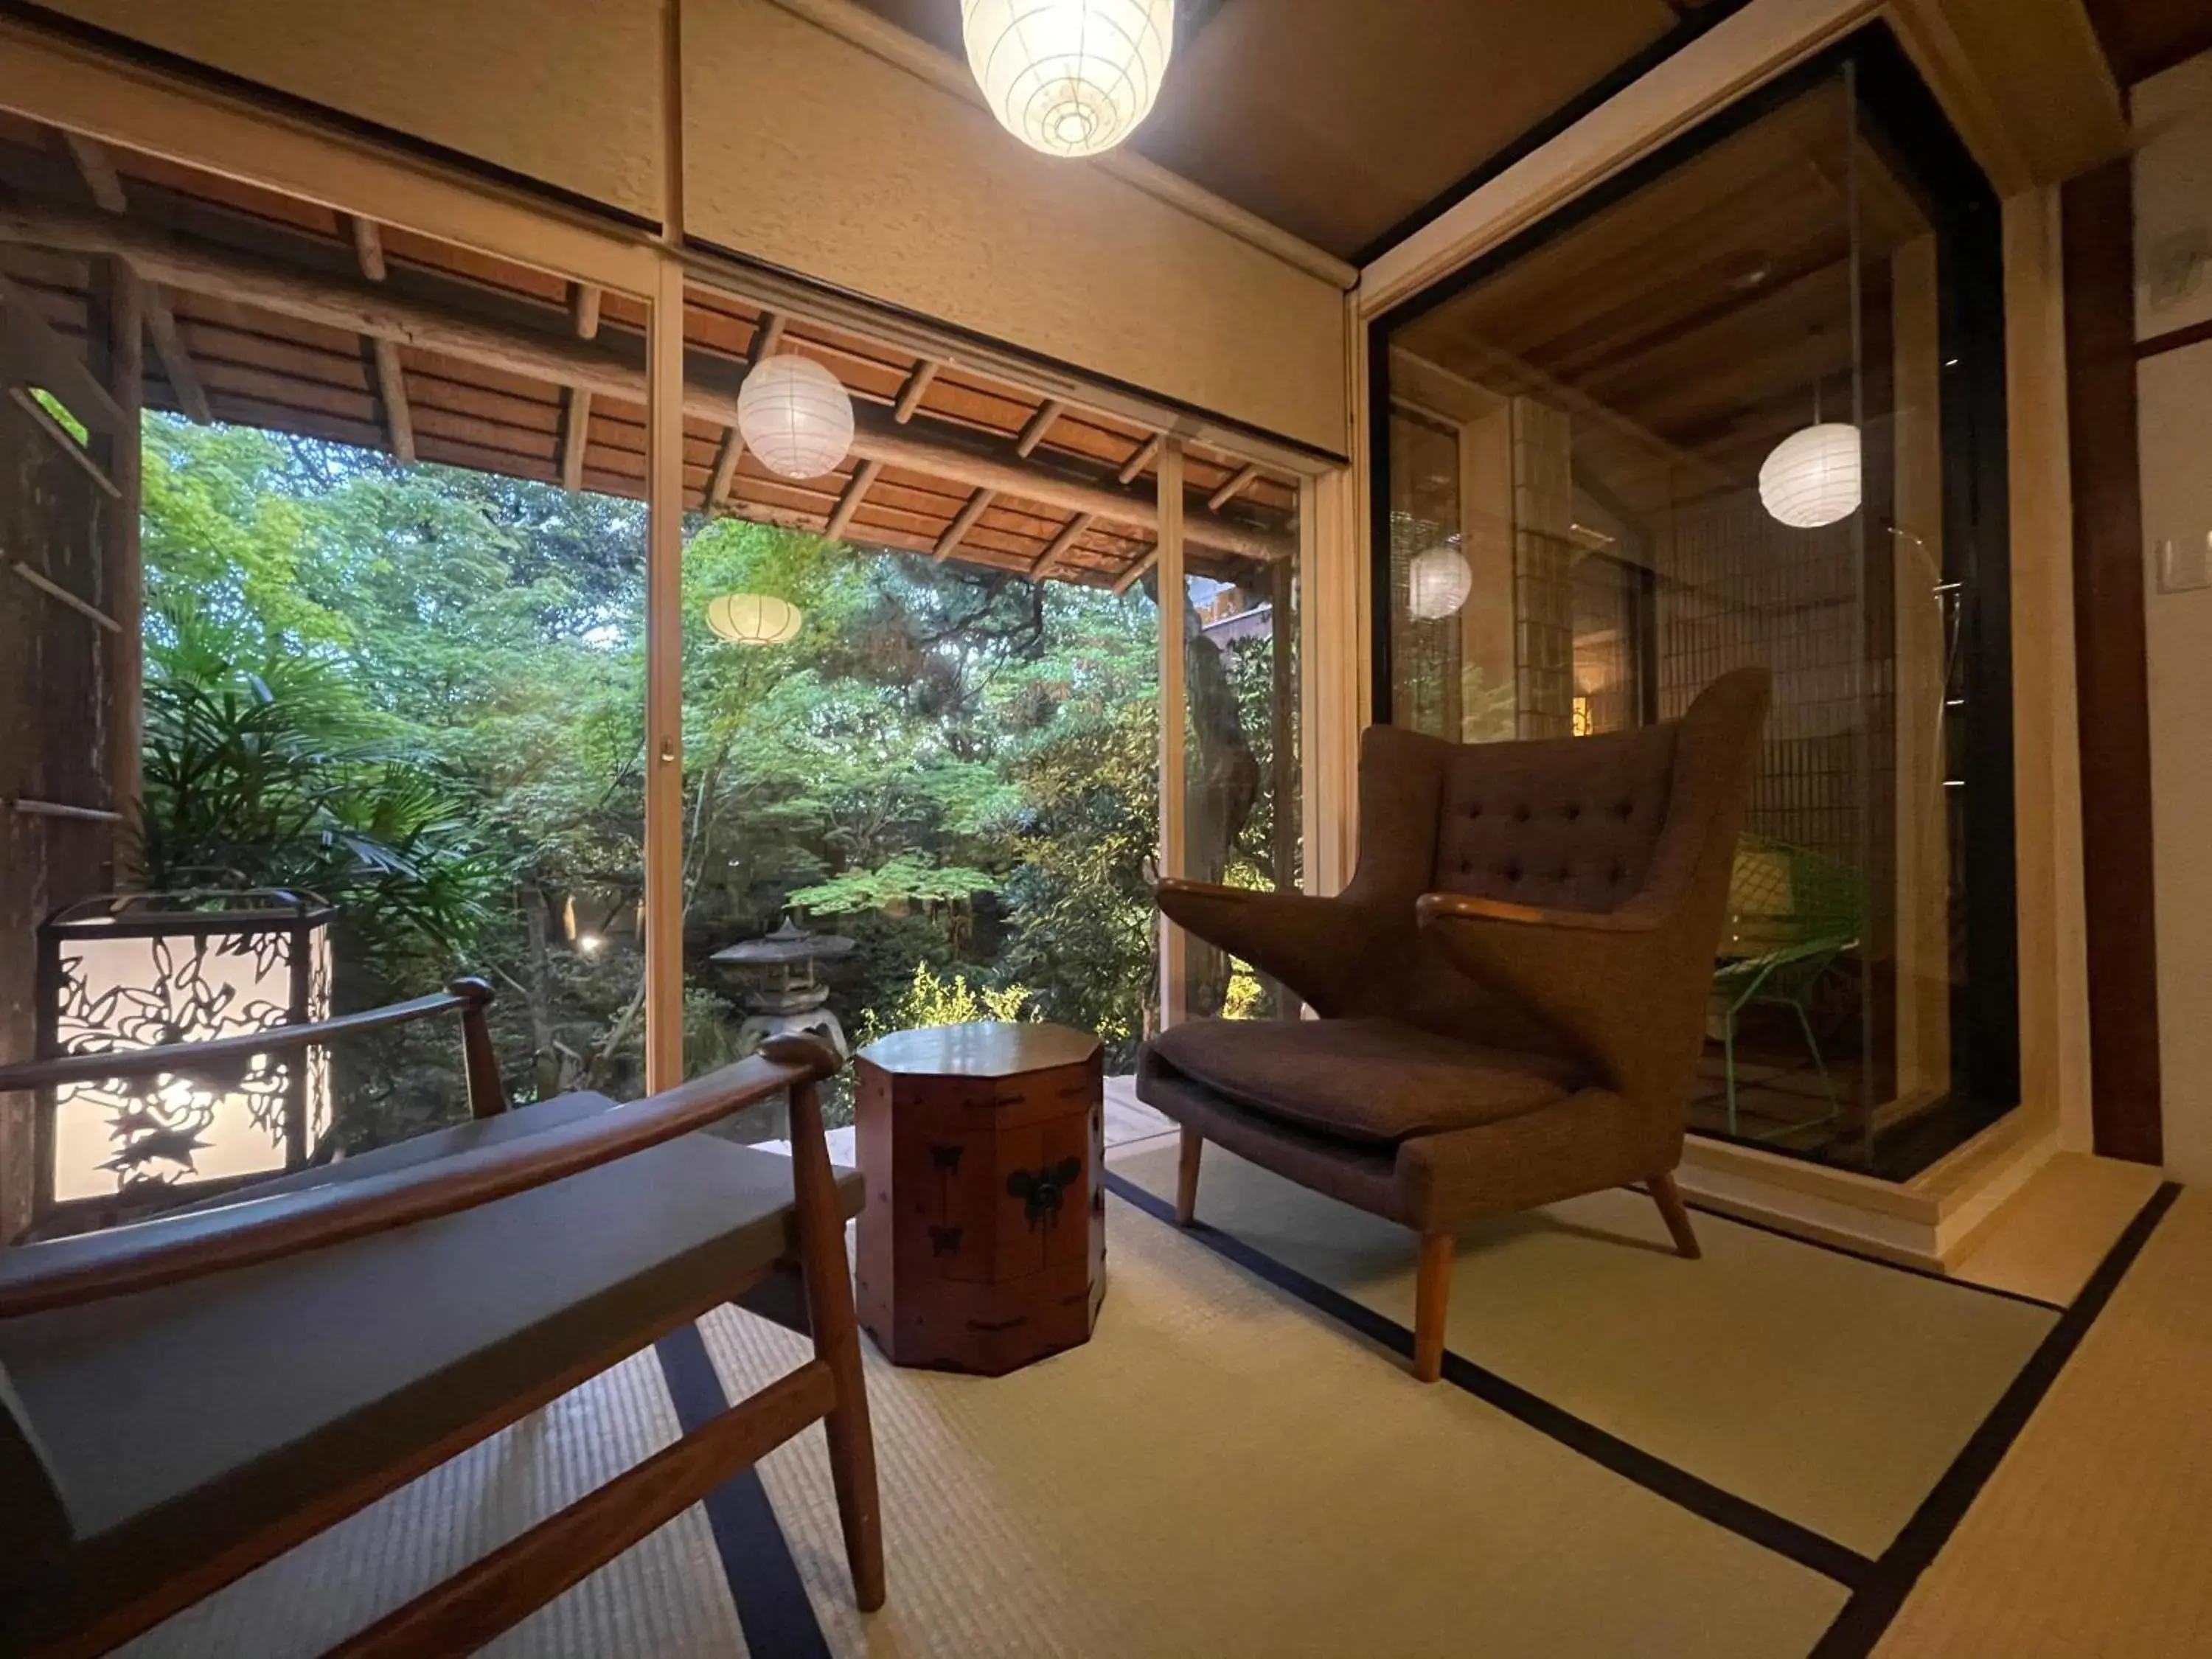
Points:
(1735, 409)
(391, 562)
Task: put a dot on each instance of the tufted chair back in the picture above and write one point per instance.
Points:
(1567, 823)
(1572, 823)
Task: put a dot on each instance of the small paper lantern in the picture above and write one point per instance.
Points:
(1069, 77)
(796, 415)
(1812, 477)
(754, 618)
(142, 970)
(1437, 583)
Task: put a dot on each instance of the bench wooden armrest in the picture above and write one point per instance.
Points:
(164, 1251)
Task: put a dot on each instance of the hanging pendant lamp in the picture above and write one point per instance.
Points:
(1437, 583)
(755, 619)
(1811, 478)
(796, 417)
(1069, 77)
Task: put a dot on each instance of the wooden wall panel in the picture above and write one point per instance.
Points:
(804, 151)
(563, 92)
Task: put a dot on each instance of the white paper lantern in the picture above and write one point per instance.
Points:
(753, 618)
(1437, 583)
(144, 970)
(1069, 77)
(796, 415)
(1812, 478)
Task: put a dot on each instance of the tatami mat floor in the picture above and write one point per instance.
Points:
(1751, 1454)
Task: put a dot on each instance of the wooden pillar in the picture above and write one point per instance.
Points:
(664, 605)
(1175, 782)
(2111, 664)
(124, 574)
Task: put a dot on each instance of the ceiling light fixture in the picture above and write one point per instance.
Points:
(1437, 583)
(1069, 77)
(796, 415)
(754, 618)
(1811, 478)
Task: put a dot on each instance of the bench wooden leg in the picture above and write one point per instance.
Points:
(1668, 1197)
(1187, 1178)
(837, 1345)
(1431, 1302)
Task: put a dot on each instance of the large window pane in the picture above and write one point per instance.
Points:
(938, 759)
(392, 663)
(1699, 427)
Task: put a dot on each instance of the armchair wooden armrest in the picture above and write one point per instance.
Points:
(1607, 979)
(240, 1234)
(1307, 943)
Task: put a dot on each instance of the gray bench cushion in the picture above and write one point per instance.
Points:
(178, 1421)
(1374, 1081)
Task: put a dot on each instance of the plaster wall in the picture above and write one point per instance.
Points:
(2173, 267)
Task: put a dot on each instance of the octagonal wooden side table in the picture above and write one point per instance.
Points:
(983, 1245)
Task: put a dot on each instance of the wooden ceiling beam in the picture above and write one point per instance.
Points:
(1039, 424)
(856, 491)
(910, 394)
(766, 338)
(956, 531)
(105, 185)
(1135, 574)
(727, 457)
(575, 434)
(176, 359)
(1236, 486)
(391, 393)
(584, 300)
(1144, 457)
(98, 171)
(368, 248)
(1068, 538)
(613, 369)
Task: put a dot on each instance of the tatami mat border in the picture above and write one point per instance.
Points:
(1677, 1485)
(773, 1609)
(1876, 1601)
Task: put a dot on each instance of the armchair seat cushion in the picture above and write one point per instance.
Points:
(1372, 1081)
(177, 1421)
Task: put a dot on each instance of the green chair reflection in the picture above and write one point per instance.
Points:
(1792, 914)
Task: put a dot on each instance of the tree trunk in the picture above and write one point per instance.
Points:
(1223, 782)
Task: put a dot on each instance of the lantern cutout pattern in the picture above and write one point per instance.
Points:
(1812, 477)
(796, 415)
(1437, 583)
(133, 971)
(754, 619)
(1069, 77)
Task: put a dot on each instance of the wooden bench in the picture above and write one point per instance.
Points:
(183, 1400)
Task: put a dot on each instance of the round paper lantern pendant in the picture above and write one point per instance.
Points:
(753, 618)
(1069, 77)
(1812, 477)
(1437, 583)
(796, 415)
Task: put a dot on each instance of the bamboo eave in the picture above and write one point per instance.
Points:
(280, 314)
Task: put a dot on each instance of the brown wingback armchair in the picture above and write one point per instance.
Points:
(1511, 989)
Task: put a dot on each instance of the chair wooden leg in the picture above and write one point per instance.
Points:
(1187, 1178)
(1668, 1197)
(1431, 1300)
(837, 1344)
